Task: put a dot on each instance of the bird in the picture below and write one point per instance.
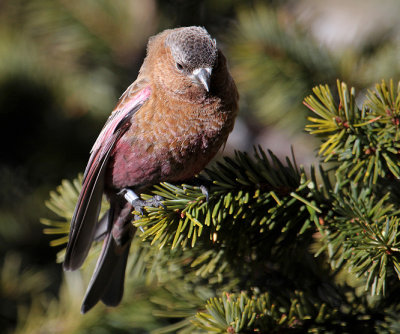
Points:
(166, 127)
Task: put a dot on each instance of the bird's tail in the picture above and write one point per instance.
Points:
(107, 282)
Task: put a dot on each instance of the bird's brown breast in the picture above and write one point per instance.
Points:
(170, 140)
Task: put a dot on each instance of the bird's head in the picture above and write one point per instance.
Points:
(194, 54)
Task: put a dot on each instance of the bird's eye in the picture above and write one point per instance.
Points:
(179, 66)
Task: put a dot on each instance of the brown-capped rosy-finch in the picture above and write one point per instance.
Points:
(166, 127)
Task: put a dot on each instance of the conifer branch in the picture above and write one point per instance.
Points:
(258, 220)
(257, 191)
(265, 313)
(364, 141)
(359, 225)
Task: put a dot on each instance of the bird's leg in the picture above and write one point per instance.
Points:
(129, 195)
(138, 204)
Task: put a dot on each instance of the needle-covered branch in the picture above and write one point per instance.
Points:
(359, 226)
(362, 140)
(310, 244)
(253, 194)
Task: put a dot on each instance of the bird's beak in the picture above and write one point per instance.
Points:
(202, 76)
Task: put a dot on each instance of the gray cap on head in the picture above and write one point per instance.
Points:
(192, 47)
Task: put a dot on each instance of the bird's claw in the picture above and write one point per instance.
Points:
(205, 192)
(138, 204)
(203, 185)
(155, 202)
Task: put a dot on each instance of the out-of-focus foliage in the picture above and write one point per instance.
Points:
(272, 53)
(75, 48)
(277, 60)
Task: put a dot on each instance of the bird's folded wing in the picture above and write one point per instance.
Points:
(89, 202)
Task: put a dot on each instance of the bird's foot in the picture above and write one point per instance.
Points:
(203, 188)
(205, 192)
(138, 204)
(155, 202)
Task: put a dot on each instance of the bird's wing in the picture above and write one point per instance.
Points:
(89, 202)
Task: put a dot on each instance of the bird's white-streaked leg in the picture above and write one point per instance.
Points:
(133, 199)
(130, 196)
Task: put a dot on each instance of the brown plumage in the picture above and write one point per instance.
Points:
(166, 127)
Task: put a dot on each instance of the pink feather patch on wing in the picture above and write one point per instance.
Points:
(118, 115)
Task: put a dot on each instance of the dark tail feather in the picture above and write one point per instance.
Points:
(102, 227)
(115, 290)
(107, 282)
